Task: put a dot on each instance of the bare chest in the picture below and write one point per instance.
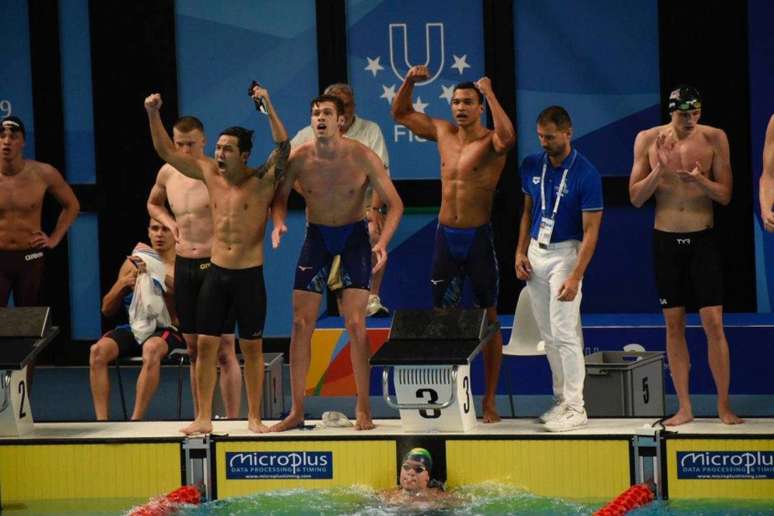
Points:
(468, 162)
(686, 155)
(22, 193)
(188, 197)
(325, 178)
(248, 199)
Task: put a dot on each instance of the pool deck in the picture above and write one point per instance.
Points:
(169, 430)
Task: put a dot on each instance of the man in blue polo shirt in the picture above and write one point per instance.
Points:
(557, 236)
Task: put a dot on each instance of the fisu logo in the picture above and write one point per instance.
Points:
(683, 241)
(434, 52)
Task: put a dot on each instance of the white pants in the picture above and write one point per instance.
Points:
(558, 321)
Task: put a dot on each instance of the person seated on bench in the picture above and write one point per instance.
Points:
(153, 341)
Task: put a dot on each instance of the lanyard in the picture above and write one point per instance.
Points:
(561, 185)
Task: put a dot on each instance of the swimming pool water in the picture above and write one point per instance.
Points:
(488, 498)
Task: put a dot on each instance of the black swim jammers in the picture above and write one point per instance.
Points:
(687, 268)
(21, 272)
(189, 278)
(128, 345)
(237, 293)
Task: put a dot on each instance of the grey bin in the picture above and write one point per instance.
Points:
(624, 383)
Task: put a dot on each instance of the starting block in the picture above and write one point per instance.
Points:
(24, 332)
(430, 352)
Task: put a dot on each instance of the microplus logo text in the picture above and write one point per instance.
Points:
(257, 465)
(726, 464)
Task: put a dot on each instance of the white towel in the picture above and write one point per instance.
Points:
(147, 310)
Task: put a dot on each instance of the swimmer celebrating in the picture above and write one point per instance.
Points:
(687, 167)
(472, 159)
(239, 197)
(333, 173)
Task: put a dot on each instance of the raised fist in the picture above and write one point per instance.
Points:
(417, 74)
(153, 102)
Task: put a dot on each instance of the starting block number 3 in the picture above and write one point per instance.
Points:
(431, 396)
(435, 385)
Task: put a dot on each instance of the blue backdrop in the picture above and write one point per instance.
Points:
(16, 76)
(597, 59)
(385, 38)
(220, 50)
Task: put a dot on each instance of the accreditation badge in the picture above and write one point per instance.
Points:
(545, 232)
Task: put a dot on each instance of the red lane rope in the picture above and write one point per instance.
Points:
(169, 503)
(636, 496)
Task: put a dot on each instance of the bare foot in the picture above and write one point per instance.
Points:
(728, 417)
(490, 413)
(289, 423)
(680, 418)
(363, 421)
(255, 425)
(198, 427)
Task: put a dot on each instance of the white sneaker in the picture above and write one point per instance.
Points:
(553, 413)
(375, 307)
(570, 419)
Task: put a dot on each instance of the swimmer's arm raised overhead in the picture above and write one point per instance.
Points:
(383, 186)
(643, 180)
(403, 110)
(163, 144)
(279, 205)
(157, 199)
(127, 276)
(719, 185)
(767, 179)
(504, 135)
(66, 198)
(277, 162)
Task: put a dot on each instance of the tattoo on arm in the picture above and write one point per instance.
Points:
(277, 163)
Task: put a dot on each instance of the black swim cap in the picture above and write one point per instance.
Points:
(684, 98)
(13, 123)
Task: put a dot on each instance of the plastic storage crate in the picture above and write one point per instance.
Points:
(624, 383)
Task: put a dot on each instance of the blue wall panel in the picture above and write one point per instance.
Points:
(16, 70)
(83, 245)
(597, 59)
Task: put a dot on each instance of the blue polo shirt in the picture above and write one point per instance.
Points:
(582, 192)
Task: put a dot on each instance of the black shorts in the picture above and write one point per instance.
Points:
(189, 278)
(240, 293)
(688, 269)
(322, 244)
(460, 253)
(21, 272)
(129, 347)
